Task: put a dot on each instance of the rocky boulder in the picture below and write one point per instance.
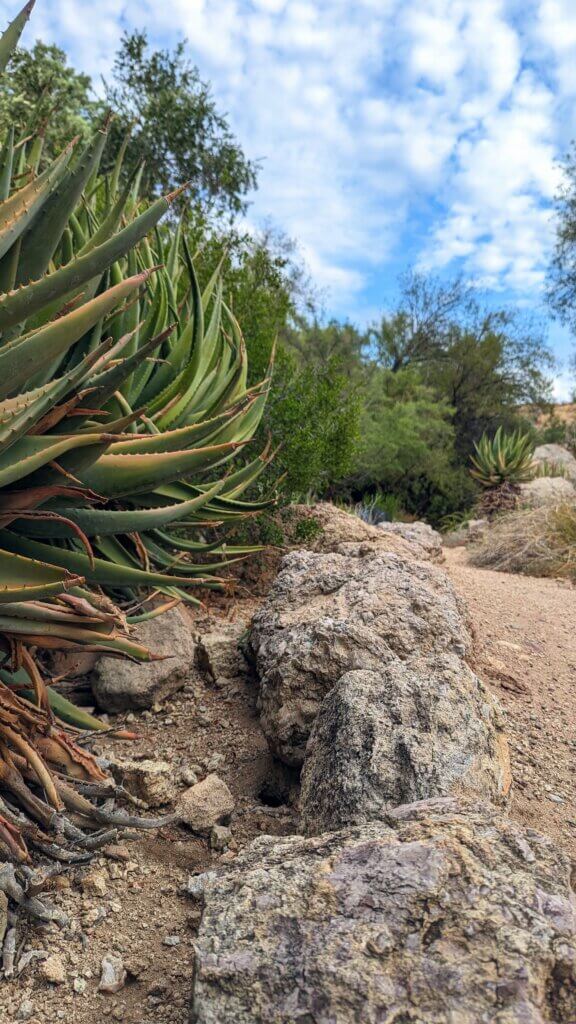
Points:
(339, 528)
(556, 455)
(426, 542)
(120, 685)
(417, 729)
(328, 614)
(443, 913)
(547, 490)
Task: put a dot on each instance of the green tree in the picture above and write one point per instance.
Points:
(314, 415)
(484, 362)
(407, 446)
(486, 377)
(43, 94)
(561, 291)
(175, 127)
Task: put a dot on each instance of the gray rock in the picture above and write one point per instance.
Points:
(150, 781)
(443, 914)
(414, 730)
(218, 654)
(547, 490)
(120, 685)
(426, 541)
(328, 614)
(206, 804)
(339, 528)
(556, 455)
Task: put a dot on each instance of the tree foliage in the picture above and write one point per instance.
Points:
(175, 127)
(44, 94)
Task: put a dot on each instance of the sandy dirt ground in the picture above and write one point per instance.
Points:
(525, 633)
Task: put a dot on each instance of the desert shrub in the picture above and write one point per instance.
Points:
(538, 542)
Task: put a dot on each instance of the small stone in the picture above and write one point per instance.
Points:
(53, 970)
(116, 852)
(95, 883)
(25, 1010)
(150, 781)
(79, 986)
(188, 777)
(220, 837)
(171, 940)
(113, 977)
(215, 761)
(206, 804)
(127, 686)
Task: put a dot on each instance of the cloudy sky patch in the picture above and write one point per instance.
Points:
(389, 133)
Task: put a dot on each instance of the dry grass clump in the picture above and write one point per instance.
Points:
(537, 542)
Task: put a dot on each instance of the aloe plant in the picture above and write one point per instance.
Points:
(123, 399)
(506, 458)
(500, 464)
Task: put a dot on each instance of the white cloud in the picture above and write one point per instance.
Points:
(383, 127)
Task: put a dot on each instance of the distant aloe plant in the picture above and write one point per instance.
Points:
(500, 464)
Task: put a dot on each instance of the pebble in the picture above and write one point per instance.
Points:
(53, 970)
(113, 977)
(25, 1010)
(95, 883)
(171, 940)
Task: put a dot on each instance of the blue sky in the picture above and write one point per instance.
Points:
(390, 133)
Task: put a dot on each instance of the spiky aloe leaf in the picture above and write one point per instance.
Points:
(40, 348)
(24, 302)
(11, 35)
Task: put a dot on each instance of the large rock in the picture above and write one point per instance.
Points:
(120, 685)
(556, 455)
(414, 730)
(444, 914)
(547, 490)
(338, 529)
(427, 542)
(328, 614)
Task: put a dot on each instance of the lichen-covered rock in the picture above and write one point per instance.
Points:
(150, 781)
(426, 541)
(556, 455)
(442, 914)
(547, 490)
(123, 685)
(417, 729)
(218, 654)
(338, 527)
(328, 614)
(206, 804)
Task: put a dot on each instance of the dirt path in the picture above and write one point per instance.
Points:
(525, 630)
